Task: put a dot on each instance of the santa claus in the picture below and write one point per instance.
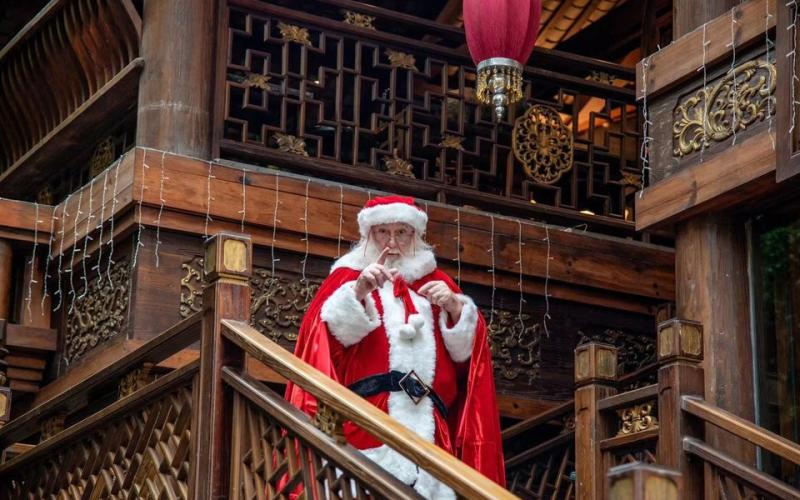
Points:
(398, 331)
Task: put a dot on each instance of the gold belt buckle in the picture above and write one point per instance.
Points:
(413, 376)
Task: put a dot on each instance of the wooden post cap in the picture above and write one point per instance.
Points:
(680, 339)
(228, 255)
(639, 481)
(595, 362)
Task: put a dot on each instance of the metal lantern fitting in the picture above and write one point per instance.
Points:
(499, 83)
(500, 37)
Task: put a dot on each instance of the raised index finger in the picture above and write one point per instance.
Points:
(382, 256)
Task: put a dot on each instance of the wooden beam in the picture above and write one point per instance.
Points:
(679, 61)
(18, 221)
(723, 181)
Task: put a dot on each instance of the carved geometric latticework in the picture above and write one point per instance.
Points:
(729, 486)
(515, 344)
(545, 476)
(277, 303)
(274, 461)
(743, 96)
(356, 99)
(143, 454)
(99, 313)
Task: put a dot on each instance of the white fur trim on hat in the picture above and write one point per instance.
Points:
(390, 213)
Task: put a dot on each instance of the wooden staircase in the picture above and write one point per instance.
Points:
(208, 429)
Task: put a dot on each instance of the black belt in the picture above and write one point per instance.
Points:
(394, 381)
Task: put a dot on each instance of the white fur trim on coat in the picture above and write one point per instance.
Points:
(348, 320)
(393, 212)
(407, 471)
(460, 337)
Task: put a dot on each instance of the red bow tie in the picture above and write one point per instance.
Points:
(401, 290)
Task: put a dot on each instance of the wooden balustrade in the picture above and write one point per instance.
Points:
(343, 404)
(312, 93)
(732, 474)
(71, 70)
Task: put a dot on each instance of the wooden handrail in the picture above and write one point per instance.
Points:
(742, 428)
(633, 376)
(755, 478)
(561, 439)
(117, 409)
(542, 418)
(646, 393)
(157, 349)
(460, 477)
(290, 417)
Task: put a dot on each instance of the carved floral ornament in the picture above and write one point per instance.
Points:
(543, 144)
(358, 19)
(740, 98)
(293, 33)
(637, 418)
(402, 60)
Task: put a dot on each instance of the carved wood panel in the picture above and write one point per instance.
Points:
(277, 302)
(634, 350)
(99, 311)
(144, 454)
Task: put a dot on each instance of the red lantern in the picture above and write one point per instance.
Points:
(501, 35)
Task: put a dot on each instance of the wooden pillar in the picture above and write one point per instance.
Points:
(638, 481)
(228, 265)
(712, 289)
(680, 351)
(690, 14)
(178, 38)
(595, 378)
(5, 278)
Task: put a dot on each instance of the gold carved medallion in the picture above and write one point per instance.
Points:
(712, 114)
(296, 34)
(543, 144)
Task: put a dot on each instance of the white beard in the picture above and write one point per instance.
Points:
(419, 261)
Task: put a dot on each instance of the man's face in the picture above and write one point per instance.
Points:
(397, 237)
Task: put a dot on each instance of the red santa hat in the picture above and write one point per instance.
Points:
(390, 209)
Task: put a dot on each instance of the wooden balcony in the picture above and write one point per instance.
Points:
(360, 94)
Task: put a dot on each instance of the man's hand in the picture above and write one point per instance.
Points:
(438, 293)
(374, 276)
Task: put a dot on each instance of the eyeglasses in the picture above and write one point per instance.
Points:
(401, 235)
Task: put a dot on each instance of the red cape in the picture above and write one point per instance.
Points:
(473, 420)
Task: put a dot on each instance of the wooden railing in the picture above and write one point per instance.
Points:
(731, 475)
(73, 58)
(393, 106)
(88, 443)
(540, 454)
(683, 461)
(540, 451)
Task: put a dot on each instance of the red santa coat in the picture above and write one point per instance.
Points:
(349, 340)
